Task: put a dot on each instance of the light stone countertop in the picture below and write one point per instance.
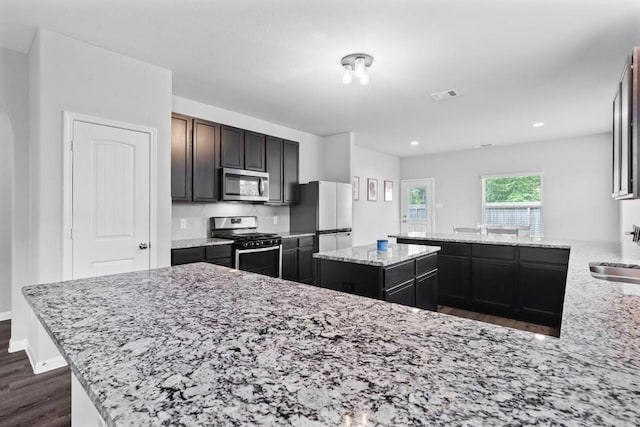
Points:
(203, 241)
(485, 239)
(369, 255)
(202, 344)
(294, 234)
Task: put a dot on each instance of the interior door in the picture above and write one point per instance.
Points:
(111, 200)
(417, 206)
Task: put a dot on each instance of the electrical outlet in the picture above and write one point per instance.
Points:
(183, 223)
(275, 220)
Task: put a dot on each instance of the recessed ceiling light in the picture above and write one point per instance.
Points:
(538, 124)
(482, 145)
(415, 142)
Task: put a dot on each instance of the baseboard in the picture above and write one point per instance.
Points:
(37, 367)
(5, 316)
(17, 345)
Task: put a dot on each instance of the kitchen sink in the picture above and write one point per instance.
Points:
(628, 273)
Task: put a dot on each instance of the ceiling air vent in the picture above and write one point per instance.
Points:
(445, 94)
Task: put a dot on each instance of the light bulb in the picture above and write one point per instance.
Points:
(364, 79)
(359, 67)
(347, 76)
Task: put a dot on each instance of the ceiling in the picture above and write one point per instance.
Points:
(515, 62)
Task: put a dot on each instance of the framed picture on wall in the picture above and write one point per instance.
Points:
(355, 188)
(372, 189)
(388, 191)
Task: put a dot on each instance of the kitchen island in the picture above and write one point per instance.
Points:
(201, 344)
(404, 274)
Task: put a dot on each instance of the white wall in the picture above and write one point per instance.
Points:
(311, 155)
(66, 74)
(337, 155)
(6, 169)
(14, 95)
(577, 201)
(373, 220)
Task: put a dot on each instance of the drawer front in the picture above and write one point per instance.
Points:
(225, 262)
(187, 255)
(448, 248)
(402, 294)
(218, 251)
(399, 273)
(290, 243)
(306, 241)
(426, 264)
(493, 251)
(546, 255)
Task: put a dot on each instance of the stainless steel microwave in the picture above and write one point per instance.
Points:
(245, 186)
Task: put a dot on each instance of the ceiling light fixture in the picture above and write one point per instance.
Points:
(415, 142)
(356, 64)
(482, 145)
(538, 124)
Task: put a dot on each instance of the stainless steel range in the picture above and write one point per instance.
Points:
(252, 251)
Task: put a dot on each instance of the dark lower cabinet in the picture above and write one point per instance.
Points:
(290, 264)
(297, 259)
(542, 294)
(520, 282)
(455, 279)
(404, 293)
(427, 291)
(493, 284)
(413, 283)
(217, 254)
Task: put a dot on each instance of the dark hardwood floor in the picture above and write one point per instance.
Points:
(27, 399)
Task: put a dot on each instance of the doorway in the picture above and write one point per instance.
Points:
(417, 205)
(109, 208)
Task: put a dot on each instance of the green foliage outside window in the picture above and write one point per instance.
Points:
(513, 189)
(417, 196)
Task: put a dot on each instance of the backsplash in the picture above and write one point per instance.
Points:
(197, 216)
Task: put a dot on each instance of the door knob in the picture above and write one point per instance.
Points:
(143, 246)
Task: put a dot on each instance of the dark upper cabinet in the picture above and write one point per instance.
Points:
(180, 157)
(274, 168)
(205, 176)
(231, 147)
(290, 158)
(254, 151)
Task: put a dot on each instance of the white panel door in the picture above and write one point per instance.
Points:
(343, 206)
(111, 211)
(417, 206)
(327, 206)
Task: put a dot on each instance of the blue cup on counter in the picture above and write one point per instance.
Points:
(383, 245)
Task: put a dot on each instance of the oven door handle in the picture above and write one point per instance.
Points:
(270, 248)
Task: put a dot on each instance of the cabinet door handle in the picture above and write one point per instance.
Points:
(143, 246)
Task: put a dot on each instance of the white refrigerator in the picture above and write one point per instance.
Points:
(325, 208)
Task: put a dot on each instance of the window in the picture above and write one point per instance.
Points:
(514, 200)
(417, 208)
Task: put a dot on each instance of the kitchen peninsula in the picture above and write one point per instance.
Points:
(201, 344)
(404, 274)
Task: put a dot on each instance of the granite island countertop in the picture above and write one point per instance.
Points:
(491, 239)
(202, 344)
(370, 255)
